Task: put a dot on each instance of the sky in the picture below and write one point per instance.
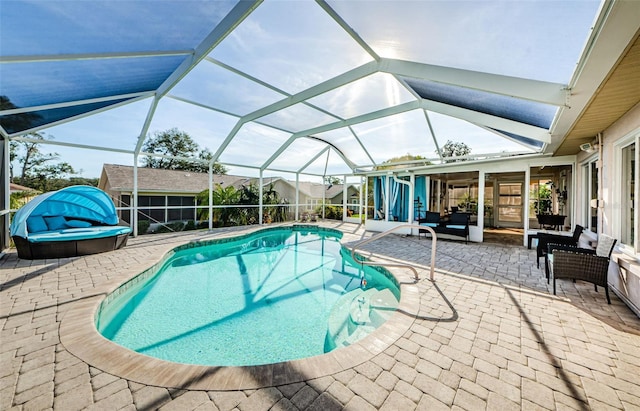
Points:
(287, 46)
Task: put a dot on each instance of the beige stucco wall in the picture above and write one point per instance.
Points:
(351, 191)
(288, 192)
(625, 277)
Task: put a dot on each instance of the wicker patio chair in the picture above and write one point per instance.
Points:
(544, 239)
(582, 263)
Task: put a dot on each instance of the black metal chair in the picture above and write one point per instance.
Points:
(544, 239)
(582, 263)
(432, 219)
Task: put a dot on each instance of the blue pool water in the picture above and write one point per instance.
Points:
(276, 295)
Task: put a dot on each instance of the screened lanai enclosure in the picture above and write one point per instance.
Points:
(311, 89)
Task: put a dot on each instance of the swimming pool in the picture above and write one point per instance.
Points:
(273, 296)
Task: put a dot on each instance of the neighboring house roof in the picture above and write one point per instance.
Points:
(153, 179)
(17, 188)
(311, 189)
(120, 178)
(317, 190)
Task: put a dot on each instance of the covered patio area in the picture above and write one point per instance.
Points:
(489, 334)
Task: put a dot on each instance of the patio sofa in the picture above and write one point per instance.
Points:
(456, 224)
(73, 221)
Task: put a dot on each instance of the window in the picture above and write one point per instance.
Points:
(590, 195)
(593, 226)
(181, 214)
(125, 201)
(628, 197)
(510, 202)
(540, 193)
(151, 214)
(488, 204)
(463, 197)
(628, 192)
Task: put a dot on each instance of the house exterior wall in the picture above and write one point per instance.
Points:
(156, 207)
(624, 273)
(337, 199)
(285, 191)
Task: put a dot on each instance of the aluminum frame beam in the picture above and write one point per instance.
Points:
(239, 12)
(140, 95)
(482, 119)
(79, 116)
(91, 56)
(333, 83)
(73, 145)
(533, 90)
(401, 108)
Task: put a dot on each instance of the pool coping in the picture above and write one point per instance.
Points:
(79, 335)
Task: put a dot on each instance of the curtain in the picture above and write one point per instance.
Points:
(378, 196)
(420, 193)
(404, 204)
(394, 190)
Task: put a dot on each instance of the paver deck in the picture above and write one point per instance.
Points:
(488, 334)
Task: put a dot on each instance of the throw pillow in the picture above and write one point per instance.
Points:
(56, 222)
(36, 223)
(78, 224)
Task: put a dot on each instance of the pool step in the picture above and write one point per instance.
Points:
(360, 307)
(356, 314)
(384, 300)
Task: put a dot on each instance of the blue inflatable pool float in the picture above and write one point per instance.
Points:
(73, 221)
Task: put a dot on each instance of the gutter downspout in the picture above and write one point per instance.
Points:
(412, 196)
(600, 209)
(407, 183)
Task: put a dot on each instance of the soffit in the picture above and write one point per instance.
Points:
(617, 95)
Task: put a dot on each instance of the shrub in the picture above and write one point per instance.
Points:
(331, 212)
(191, 225)
(143, 226)
(170, 227)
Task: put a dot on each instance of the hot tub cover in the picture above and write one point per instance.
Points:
(74, 202)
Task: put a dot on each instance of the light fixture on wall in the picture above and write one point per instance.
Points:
(588, 147)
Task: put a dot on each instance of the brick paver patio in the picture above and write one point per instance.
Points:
(489, 335)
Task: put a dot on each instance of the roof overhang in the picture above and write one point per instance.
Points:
(606, 83)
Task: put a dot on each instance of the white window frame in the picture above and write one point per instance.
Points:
(587, 176)
(633, 137)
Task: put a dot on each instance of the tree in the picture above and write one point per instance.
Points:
(541, 196)
(452, 149)
(249, 196)
(275, 209)
(37, 169)
(207, 155)
(331, 180)
(50, 177)
(83, 181)
(401, 162)
(13, 156)
(176, 143)
(13, 123)
(221, 196)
